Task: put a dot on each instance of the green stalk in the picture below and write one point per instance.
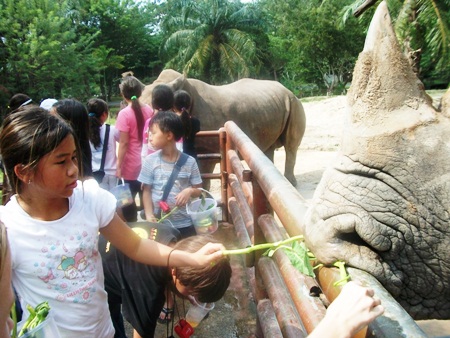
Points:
(261, 246)
(167, 215)
(342, 272)
(14, 318)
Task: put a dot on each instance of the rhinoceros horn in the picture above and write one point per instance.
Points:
(383, 204)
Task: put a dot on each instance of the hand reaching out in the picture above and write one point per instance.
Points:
(354, 308)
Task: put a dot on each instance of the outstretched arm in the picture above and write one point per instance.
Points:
(354, 308)
(153, 253)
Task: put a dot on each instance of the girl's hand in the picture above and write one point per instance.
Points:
(208, 254)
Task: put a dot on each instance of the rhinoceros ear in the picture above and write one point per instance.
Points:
(384, 86)
(178, 83)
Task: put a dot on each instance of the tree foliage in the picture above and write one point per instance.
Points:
(75, 48)
(79, 48)
(44, 57)
(423, 30)
(213, 40)
(314, 49)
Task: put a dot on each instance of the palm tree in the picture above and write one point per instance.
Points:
(422, 27)
(212, 40)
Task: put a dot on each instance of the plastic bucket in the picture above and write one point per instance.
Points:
(123, 195)
(203, 212)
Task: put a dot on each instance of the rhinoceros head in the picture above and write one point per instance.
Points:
(383, 205)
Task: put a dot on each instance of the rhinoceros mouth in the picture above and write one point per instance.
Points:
(375, 222)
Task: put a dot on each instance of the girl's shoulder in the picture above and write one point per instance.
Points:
(148, 111)
(125, 112)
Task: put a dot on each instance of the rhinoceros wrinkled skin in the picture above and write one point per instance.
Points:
(383, 204)
(266, 111)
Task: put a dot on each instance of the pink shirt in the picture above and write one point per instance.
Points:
(126, 123)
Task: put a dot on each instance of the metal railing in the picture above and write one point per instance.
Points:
(289, 304)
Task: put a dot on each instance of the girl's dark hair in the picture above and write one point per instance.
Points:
(17, 101)
(131, 89)
(168, 121)
(27, 136)
(162, 97)
(96, 108)
(182, 103)
(207, 284)
(75, 113)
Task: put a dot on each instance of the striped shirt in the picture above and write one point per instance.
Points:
(156, 172)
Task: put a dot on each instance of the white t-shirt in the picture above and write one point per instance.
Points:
(58, 261)
(111, 158)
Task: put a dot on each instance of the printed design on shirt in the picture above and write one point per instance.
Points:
(73, 266)
(47, 277)
(69, 267)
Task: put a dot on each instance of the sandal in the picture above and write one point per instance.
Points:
(167, 315)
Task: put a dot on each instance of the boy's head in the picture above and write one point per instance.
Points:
(207, 284)
(168, 121)
(162, 97)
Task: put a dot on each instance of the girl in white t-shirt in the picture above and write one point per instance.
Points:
(53, 223)
(98, 114)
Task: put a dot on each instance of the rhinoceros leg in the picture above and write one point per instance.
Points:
(292, 136)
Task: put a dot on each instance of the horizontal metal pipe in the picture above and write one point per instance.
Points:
(285, 200)
(207, 133)
(268, 320)
(395, 321)
(285, 311)
(209, 156)
(211, 176)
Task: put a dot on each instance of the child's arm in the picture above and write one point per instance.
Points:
(123, 146)
(183, 197)
(153, 253)
(148, 203)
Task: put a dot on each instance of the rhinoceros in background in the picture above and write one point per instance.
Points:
(266, 111)
(383, 204)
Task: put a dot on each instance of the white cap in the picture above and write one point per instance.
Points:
(48, 103)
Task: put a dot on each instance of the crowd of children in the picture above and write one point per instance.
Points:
(57, 214)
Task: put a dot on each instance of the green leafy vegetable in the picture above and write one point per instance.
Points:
(36, 317)
(299, 256)
(261, 246)
(343, 272)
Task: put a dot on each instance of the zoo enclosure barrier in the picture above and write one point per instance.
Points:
(289, 303)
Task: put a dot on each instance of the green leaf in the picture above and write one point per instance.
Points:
(298, 255)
